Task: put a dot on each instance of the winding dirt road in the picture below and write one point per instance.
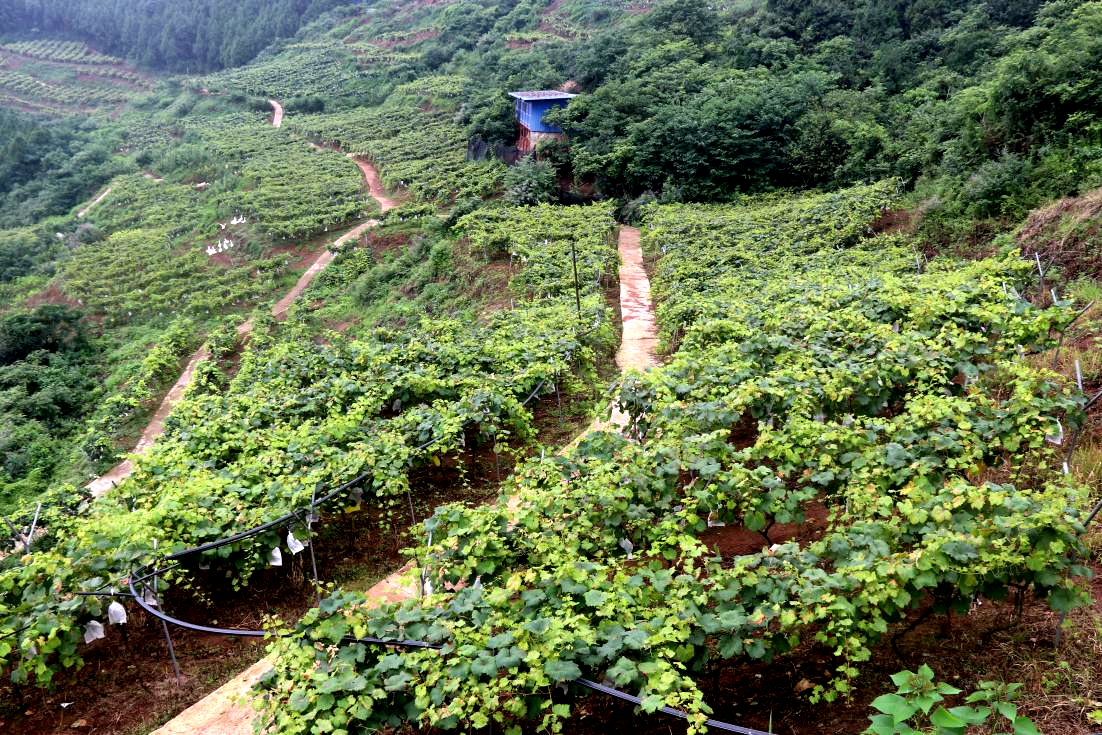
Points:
(226, 711)
(375, 184)
(156, 426)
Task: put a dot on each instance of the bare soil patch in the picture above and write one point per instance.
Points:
(375, 184)
(52, 294)
(895, 221)
(731, 541)
(1067, 233)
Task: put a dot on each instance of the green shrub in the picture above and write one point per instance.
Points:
(530, 182)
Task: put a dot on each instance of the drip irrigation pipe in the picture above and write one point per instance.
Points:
(618, 694)
(423, 645)
(1093, 400)
(297, 515)
(248, 633)
(143, 574)
(1094, 512)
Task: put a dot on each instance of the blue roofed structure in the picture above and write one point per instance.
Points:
(530, 109)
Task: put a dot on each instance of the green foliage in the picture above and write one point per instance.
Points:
(121, 414)
(917, 693)
(424, 152)
(50, 327)
(46, 385)
(322, 71)
(530, 182)
(540, 239)
(270, 187)
(814, 365)
(46, 168)
(182, 36)
(25, 86)
(300, 415)
(138, 274)
(63, 51)
(24, 250)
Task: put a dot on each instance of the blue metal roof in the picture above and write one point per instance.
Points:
(542, 94)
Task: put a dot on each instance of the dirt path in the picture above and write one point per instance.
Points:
(375, 184)
(226, 711)
(154, 429)
(319, 264)
(124, 469)
(277, 113)
(156, 426)
(97, 200)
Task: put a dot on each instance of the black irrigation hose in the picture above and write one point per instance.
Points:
(291, 516)
(587, 683)
(612, 692)
(1094, 512)
(248, 633)
(143, 574)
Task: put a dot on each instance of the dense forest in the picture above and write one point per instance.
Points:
(987, 108)
(183, 36)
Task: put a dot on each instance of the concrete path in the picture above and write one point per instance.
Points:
(637, 312)
(277, 113)
(640, 336)
(226, 710)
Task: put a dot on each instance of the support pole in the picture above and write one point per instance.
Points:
(34, 524)
(310, 533)
(577, 289)
(168, 636)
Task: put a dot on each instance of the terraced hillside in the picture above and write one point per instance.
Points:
(66, 77)
(300, 364)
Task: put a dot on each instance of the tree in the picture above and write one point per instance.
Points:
(530, 182)
(50, 327)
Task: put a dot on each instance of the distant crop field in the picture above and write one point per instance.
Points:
(64, 76)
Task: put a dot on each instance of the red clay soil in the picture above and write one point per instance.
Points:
(552, 7)
(52, 294)
(1067, 232)
(731, 541)
(546, 27)
(895, 221)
